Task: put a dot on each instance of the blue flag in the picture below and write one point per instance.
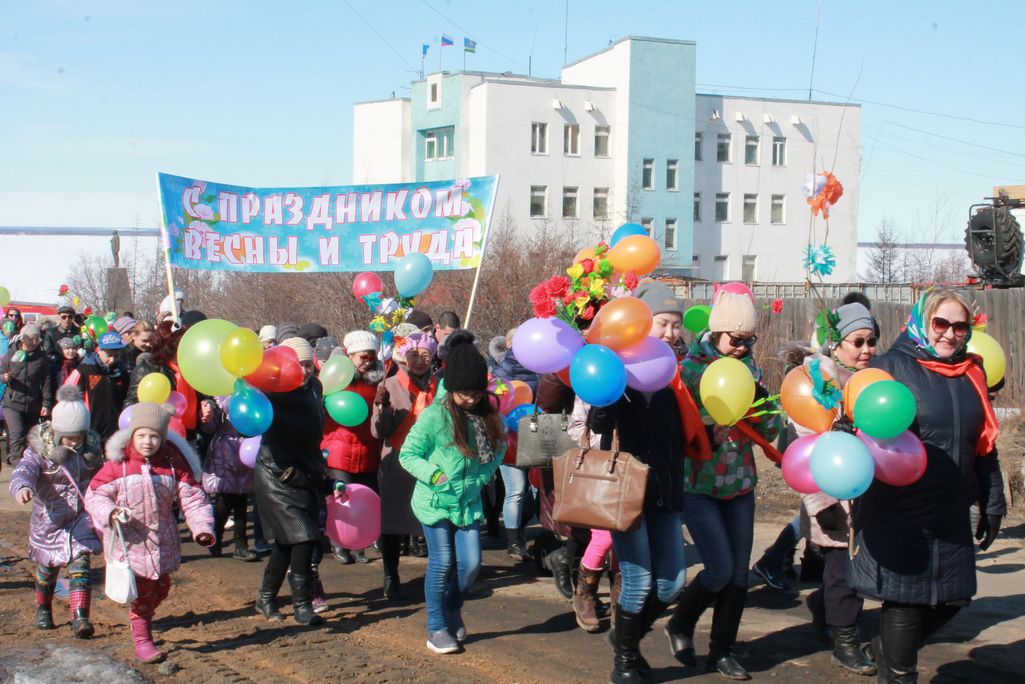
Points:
(469, 45)
(423, 50)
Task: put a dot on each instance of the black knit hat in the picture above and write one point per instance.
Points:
(465, 367)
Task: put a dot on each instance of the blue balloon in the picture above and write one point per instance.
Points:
(413, 273)
(841, 465)
(250, 411)
(597, 375)
(626, 230)
(512, 419)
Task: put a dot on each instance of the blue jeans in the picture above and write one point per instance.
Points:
(516, 487)
(784, 545)
(651, 554)
(723, 532)
(453, 562)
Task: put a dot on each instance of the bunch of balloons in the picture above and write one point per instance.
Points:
(345, 408)
(413, 274)
(515, 400)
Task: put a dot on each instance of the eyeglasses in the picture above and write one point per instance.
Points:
(12, 315)
(738, 342)
(862, 341)
(941, 325)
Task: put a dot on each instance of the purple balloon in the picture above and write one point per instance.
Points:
(899, 461)
(650, 364)
(546, 345)
(125, 419)
(796, 465)
(248, 450)
(354, 517)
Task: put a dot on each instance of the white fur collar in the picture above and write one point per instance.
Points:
(120, 439)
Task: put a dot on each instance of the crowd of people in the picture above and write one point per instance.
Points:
(435, 449)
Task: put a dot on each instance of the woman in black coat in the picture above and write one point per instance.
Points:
(913, 546)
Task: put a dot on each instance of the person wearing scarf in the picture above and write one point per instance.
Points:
(912, 546)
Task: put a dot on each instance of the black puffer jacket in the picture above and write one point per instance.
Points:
(914, 544)
(30, 386)
(145, 364)
(511, 369)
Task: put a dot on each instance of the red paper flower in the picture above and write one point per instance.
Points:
(588, 312)
(557, 286)
(587, 265)
(569, 298)
(63, 290)
(777, 306)
(630, 280)
(545, 308)
(87, 310)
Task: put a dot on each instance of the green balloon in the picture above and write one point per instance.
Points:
(336, 374)
(695, 318)
(884, 409)
(347, 408)
(199, 357)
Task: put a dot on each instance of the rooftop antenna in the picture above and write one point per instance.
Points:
(565, 36)
(814, 49)
(530, 59)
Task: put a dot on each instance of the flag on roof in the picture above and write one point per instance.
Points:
(445, 40)
(423, 50)
(469, 45)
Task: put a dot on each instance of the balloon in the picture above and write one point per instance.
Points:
(800, 405)
(512, 419)
(125, 419)
(885, 409)
(727, 389)
(248, 450)
(413, 274)
(994, 361)
(625, 231)
(354, 517)
(522, 394)
(585, 253)
(637, 253)
(5, 296)
(249, 410)
(154, 388)
(736, 288)
(650, 364)
(177, 427)
(241, 352)
(110, 317)
(858, 382)
(178, 401)
(622, 323)
(546, 345)
(365, 284)
(336, 374)
(899, 461)
(347, 408)
(278, 372)
(797, 467)
(841, 465)
(597, 375)
(695, 319)
(96, 326)
(505, 400)
(199, 357)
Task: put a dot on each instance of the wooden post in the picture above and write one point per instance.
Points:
(483, 251)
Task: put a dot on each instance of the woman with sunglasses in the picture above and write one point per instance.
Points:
(718, 499)
(913, 545)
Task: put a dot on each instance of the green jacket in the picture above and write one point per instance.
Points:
(428, 449)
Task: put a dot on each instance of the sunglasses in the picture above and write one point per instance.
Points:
(737, 342)
(12, 315)
(941, 325)
(65, 317)
(862, 341)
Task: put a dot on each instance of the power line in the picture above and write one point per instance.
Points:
(924, 111)
(376, 33)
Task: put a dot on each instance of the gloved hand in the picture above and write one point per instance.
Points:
(832, 519)
(121, 515)
(205, 539)
(987, 529)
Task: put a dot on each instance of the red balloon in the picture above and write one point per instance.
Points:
(177, 427)
(278, 372)
(366, 283)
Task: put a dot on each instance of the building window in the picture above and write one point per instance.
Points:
(601, 141)
(724, 142)
(696, 261)
(539, 138)
(751, 150)
(438, 143)
(671, 182)
(750, 208)
(779, 151)
(697, 206)
(647, 172)
(433, 99)
(671, 234)
(777, 214)
(571, 139)
(697, 147)
(601, 203)
(538, 201)
(747, 268)
(722, 207)
(646, 224)
(569, 203)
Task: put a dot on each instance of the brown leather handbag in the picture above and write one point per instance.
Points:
(602, 490)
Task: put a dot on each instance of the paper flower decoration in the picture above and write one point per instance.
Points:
(822, 191)
(819, 260)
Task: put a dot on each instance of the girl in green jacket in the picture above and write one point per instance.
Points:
(453, 451)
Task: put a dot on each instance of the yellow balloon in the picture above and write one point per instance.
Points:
(993, 358)
(727, 389)
(155, 388)
(241, 352)
(5, 296)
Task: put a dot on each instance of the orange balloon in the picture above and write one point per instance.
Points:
(637, 253)
(858, 382)
(585, 253)
(621, 323)
(801, 406)
(521, 393)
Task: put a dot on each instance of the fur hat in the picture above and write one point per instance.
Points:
(70, 415)
(659, 297)
(359, 341)
(302, 348)
(465, 367)
(732, 313)
(152, 416)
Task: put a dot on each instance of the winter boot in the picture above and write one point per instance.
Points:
(729, 608)
(318, 599)
(44, 603)
(626, 639)
(847, 651)
(615, 588)
(585, 599)
(818, 617)
(514, 545)
(145, 650)
(900, 630)
(694, 600)
(392, 585)
(44, 617)
(303, 609)
(558, 562)
(267, 599)
(343, 556)
(79, 600)
(242, 551)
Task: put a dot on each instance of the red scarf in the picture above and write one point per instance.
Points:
(767, 448)
(971, 368)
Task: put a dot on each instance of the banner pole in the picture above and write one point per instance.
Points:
(483, 251)
(167, 254)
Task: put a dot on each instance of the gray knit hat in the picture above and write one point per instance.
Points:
(854, 317)
(659, 298)
(70, 416)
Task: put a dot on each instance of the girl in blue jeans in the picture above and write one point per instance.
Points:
(453, 451)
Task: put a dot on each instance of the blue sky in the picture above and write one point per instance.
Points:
(99, 96)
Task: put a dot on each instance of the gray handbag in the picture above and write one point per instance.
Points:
(541, 438)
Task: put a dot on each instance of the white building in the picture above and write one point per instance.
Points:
(623, 136)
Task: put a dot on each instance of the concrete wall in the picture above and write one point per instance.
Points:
(381, 134)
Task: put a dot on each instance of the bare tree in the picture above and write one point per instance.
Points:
(884, 259)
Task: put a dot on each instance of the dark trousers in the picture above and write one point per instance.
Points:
(18, 425)
(391, 549)
(233, 505)
(843, 606)
(283, 557)
(903, 628)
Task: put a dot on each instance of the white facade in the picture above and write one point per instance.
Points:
(380, 146)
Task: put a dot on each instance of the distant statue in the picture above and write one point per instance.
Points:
(115, 249)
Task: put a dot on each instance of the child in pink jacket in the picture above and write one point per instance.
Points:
(147, 472)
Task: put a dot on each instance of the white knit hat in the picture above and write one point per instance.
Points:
(359, 341)
(732, 313)
(70, 416)
(268, 333)
(302, 348)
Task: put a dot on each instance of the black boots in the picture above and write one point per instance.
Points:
(899, 629)
(694, 600)
(729, 608)
(514, 547)
(44, 618)
(392, 586)
(625, 639)
(267, 605)
(301, 604)
(80, 625)
(558, 562)
(847, 651)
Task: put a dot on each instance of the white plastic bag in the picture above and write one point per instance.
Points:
(120, 582)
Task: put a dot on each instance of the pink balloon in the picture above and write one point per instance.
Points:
(899, 461)
(248, 450)
(504, 400)
(796, 465)
(650, 364)
(366, 283)
(354, 518)
(736, 288)
(179, 402)
(125, 419)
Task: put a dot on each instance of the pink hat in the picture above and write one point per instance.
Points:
(417, 341)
